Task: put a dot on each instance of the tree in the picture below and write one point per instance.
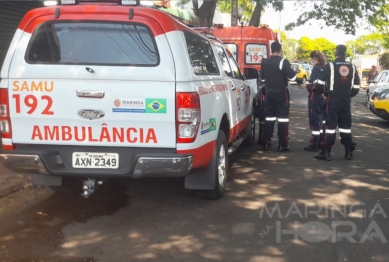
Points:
(306, 46)
(343, 14)
(251, 13)
(205, 12)
(381, 21)
(384, 61)
(367, 44)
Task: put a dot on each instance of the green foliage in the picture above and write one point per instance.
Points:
(248, 6)
(224, 6)
(342, 14)
(384, 60)
(367, 44)
(380, 20)
(306, 46)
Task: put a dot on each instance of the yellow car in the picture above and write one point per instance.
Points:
(379, 103)
(302, 74)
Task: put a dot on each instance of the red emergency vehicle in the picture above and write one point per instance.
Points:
(248, 44)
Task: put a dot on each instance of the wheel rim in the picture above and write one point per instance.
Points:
(221, 168)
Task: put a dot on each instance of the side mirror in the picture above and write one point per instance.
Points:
(371, 81)
(251, 73)
(244, 77)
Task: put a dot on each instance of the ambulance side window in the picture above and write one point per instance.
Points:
(224, 60)
(201, 55)
(234, 66)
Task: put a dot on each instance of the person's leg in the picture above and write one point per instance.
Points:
(270, 118)
(344, 123)
(330, 136)
(282, 113)
(315, 121)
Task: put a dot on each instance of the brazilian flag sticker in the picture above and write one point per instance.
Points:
(212, 124)
(155, 105)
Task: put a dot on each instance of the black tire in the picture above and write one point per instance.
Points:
(367, 98)
(250, 130)
(304, 80)
(220, 171)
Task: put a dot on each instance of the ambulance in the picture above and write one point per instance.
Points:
(248, 44)
(92, 91)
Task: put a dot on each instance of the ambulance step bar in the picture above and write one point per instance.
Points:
(236, 143)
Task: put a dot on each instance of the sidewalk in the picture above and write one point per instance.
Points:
(11, 182)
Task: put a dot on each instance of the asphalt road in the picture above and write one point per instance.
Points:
(323, 211)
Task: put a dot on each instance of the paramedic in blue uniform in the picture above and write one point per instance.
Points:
(340, 81)
(316, 101)
(276, 72)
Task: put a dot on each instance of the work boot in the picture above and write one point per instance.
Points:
(349, 152)
(267, 145)
(324, 155)
(313, 148)
(283, 148)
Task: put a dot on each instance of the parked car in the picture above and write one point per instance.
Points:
(302, 74)
(381, 80)
(379, 102)
(133, 93)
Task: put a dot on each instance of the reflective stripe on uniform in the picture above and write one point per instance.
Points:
(330, 131)
(352, 80)
(281, 63)
(342, 130)
(283, 120)
(357, 86)
(315, 133)
(324, 121)
(332, 76)
(270, 118)
(293, 78)
(321, 82)
(321, 131)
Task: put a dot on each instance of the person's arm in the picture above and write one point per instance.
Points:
(356, 84)
(321, 81)
(313, 78)
(288, 70)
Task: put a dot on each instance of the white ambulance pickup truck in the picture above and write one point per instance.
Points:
(96, 91)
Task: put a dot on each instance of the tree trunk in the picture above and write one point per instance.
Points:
(206, 12)
(256, 16)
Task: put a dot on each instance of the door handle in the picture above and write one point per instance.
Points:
(242, 88)
(90, 94)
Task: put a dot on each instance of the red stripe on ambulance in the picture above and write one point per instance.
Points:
(85, 133)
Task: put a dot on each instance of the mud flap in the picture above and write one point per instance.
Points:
(202, 179)
(45, 180)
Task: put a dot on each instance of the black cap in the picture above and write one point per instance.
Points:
(341, 50)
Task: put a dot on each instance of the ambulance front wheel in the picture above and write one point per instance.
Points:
(218, 169)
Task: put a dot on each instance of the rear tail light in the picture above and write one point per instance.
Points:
(188, 116)
(5, 120)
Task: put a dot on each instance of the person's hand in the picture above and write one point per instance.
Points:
(324, 97)
(303, 86)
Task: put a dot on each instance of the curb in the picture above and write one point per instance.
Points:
(13, 184)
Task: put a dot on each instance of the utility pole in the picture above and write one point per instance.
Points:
(234, 12)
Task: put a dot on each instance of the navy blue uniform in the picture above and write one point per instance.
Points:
(276, 72)
(340, 81)
(316, 107)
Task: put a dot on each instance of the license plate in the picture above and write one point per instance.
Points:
(95, 160)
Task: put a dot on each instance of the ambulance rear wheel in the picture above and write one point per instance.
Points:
(220, 168)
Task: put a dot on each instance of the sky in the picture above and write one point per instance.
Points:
(291, 13)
